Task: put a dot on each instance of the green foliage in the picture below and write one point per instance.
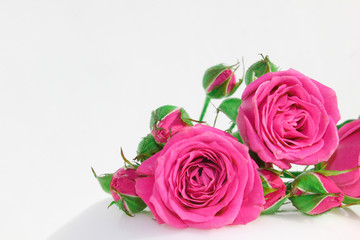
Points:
(258, 69)
(104, 180)
(230, 107)
(147, 147)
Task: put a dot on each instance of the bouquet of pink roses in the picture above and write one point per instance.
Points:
(190, 174)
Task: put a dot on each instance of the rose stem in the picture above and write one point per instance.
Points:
(206, 104)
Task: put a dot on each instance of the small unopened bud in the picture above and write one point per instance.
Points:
(313, 193)
(274, 191)
(258, 69)
(219, 81)
(122, 189)
(167, 121)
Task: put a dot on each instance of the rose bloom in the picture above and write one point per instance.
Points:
(203, 178)
(347, 156)
(288, 118)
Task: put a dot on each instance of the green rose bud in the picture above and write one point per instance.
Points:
(313, 193)
(167, 121)
(219, 81)
(258, 69)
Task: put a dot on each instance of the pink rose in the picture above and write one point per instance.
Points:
(288, 118)
(203, 178)
(123, 181)
(275, 186)
(347, 156)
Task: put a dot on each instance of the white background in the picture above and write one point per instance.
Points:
(79, 79)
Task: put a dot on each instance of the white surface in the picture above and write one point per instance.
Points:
(98, 223)
(79, 78)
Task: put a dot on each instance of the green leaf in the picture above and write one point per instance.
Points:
(345, 122)
(275, 207)
(230, 107)
(258, 69)
(161, 113)
(351, 200)
(147, 147)
(104, 180)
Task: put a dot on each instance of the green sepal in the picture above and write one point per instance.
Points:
(268, 190)
(147, 147)
(129, 204)
(275, 207)
(104, 180)
(351, 200)
(265, 184)
(160, 113)
(319, 165)
(134, 204)
(122, 207)
(288, 186)
(230, 107)
(235, 88)
(238, 137)
(185, 117)
(306, 203)
(309, 183)
(334, 172)
(212, 73)
(343, 123)
(112, 203)
(220, 91)
(258, 69)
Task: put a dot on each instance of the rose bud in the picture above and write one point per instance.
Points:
(347, 156)
(167, 121)
(219, 81)
(274, 190)
(258, 69)
(122, 189)
(313, 193)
